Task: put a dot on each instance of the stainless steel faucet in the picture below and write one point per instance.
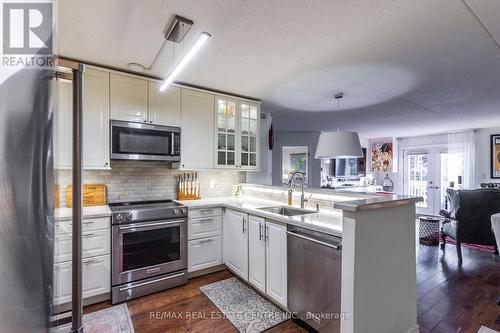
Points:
(303, 200)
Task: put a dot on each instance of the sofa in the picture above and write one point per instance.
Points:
(468, 219)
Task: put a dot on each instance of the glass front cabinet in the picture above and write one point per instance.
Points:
(237, 141)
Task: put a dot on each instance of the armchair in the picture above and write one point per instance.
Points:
(468, 219)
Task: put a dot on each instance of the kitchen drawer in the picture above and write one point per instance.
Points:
(96, 278)
(62, 227)
(204, 253)
(206, 212)
(204, 227)
(95, 243)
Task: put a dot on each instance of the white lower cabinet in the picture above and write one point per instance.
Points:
(276, 262)
(95, 243)
(235, 240)
(257, 252)
(204, 227)
(204, 253)
(255, 249)
(96, 262)
(204, 238)
(96, 278)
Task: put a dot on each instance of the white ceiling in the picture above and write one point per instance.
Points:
(406, 67)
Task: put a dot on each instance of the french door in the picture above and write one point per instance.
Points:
(428, 172)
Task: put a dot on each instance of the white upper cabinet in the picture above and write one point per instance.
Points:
(249, 135)
(197, 128)
(63, 120)
(96, 119)
(129, 98)
(226, 133)
(164, 106)
(237, 134)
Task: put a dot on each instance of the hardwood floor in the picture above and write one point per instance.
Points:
(186, 300)
(450, 298)
(453, 297)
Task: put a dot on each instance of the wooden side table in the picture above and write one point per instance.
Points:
(429, 230)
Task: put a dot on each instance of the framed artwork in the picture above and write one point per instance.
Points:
(298, 162)
(382, 155)
(495, 156)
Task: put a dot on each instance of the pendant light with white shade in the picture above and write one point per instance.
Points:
(340, 144)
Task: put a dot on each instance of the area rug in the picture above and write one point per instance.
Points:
(115, 319)
(485, 329)
(243, 307)
(484, 248)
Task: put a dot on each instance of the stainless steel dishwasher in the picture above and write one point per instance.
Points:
(314, 274)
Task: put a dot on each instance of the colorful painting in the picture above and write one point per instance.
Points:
(298, 162)
(381, 157)
(495, 156)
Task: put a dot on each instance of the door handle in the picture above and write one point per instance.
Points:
(260, 231)
(332, 246)
(152, 270)
(243, 225)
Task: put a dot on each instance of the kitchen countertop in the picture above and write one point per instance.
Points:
(381, 201)
(326, 221)
(65, 213)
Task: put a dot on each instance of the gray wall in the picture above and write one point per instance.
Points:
(264, 176)
(293, 138)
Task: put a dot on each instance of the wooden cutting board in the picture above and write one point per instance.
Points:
(93, 195)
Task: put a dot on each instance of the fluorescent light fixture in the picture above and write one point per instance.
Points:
(204, 36)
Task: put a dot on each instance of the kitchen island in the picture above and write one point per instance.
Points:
(378, 273)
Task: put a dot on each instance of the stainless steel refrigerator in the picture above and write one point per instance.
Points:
(26, 201)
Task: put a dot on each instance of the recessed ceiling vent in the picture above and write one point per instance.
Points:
(178, 29)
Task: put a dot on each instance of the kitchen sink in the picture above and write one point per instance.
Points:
(287, 211)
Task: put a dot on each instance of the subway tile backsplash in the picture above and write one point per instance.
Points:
(136, 180)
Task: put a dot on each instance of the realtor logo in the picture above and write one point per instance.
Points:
(27, 34)
(27, 28)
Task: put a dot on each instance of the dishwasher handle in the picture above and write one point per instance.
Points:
(332, 246)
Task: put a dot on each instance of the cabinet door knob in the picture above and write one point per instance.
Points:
(150, 121)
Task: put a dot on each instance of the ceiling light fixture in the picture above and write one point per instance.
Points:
(338, 144)
(136, 67)
(204, 36)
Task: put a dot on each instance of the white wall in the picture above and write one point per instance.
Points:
(482, 155)
(483, 171)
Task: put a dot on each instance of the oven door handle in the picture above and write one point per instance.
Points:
(144, 225)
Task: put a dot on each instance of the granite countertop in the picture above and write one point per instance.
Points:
(327, 221)
(65, 213)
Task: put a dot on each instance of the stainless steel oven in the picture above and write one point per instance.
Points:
(138, 141)
(149, 248)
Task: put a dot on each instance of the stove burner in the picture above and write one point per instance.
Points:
(138, 211)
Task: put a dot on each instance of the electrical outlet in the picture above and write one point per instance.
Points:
(212, 184)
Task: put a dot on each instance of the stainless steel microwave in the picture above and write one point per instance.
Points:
(138, 141)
